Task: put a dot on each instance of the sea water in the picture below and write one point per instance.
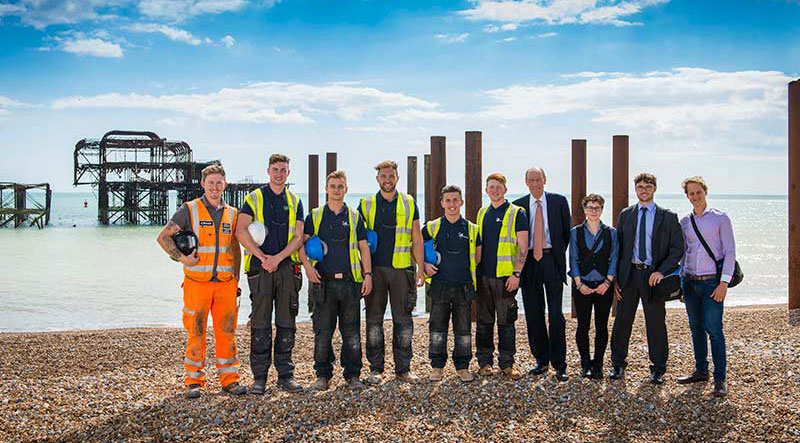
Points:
(75, 274)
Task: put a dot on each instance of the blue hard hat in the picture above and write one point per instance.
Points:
(316, 248)
(431, 256)
(372, 240)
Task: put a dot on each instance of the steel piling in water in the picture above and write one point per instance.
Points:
(794, 203)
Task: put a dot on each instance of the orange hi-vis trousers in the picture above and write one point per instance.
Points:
(220, 299)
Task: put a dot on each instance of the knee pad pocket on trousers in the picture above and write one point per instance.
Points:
(437, 338)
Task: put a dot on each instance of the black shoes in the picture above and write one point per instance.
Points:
(538, 369)
(656, 378)
(696, 377)
(289, 385)
(193, 391)
(586, 372)
(561, 375)
(617, 373)
(719, 388)
(235, 389)
(258, 387)
(597, 373)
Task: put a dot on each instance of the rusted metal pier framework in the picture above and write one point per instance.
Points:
(134, 171)
(14, 204)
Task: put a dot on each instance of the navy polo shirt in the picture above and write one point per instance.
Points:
(334, 230)
(452, 243)
(492, 222)
(385, 223)
(276, 219)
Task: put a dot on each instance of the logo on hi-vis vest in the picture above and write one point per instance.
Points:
(463, 236)
(226, 228)
(497, 220)
(206, 223)
(344, 223)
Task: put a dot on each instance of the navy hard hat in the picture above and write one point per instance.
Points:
(372, 240)
(316, 248)
(186, 242)
(431, 256)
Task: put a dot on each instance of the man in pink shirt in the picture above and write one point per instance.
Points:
(705, 281)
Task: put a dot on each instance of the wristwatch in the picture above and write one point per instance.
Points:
(367, 273)
(516, 274)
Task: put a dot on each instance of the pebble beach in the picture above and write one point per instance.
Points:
(127, 385)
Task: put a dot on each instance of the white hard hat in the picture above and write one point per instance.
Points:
(258, 232)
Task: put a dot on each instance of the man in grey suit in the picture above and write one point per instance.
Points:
(545, 273)
(651, 246)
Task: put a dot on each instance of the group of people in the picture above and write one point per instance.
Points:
(521, 244)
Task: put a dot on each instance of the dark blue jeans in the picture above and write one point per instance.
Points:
(705, 321)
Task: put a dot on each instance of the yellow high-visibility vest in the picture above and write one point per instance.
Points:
(433, 231)
(404, 213)
(507, 247)
(355, 254)
(256, 201)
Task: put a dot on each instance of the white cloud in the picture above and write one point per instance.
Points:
(547, 34)
(82, 45)
(452, 38)
(178, 10)
(228, 41)
(491, 29)
(270, 102)
(591, 74)
(6, 103)
(508, 40)
(43, 13)
(680, 102)
(172, 33)
(558, 12)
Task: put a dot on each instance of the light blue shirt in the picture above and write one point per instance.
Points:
(532, 209)
(649, 219)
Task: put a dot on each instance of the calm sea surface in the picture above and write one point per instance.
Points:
(77, 275)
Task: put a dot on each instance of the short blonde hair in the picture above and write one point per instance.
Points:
(213, 169)
(336, 174)
(696, 179)
(496, 176)
(386, 164)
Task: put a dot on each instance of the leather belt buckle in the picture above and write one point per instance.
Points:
(338, 276)
(642, 266)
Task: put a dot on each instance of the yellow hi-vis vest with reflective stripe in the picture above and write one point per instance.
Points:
(214, 251)
(256, 201)
(355, 254)
(507, 247)
(433, 231)
(401, 256)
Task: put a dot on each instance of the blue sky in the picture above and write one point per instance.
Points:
(700, 86)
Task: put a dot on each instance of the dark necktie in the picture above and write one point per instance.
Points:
(643, 235)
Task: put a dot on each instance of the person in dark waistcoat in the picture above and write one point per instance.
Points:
(593, 255)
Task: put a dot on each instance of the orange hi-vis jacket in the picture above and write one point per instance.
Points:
(213, 251)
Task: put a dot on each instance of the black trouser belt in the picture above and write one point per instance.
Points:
(642, 266)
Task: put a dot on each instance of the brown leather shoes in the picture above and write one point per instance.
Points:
(720, 390)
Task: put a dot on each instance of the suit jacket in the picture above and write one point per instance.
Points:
(558, 220)
(667, 247)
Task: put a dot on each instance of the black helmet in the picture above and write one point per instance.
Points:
(669, 288)
(186, 242)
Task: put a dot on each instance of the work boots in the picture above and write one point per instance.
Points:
(465, 376)
(258, 387)
(375, 378)
(321, 384)
(288, 384)
(408, 377)
(511, 373)
(486, 371)
(437, 374)
(355, 384)
(234, 389)
(193, 391)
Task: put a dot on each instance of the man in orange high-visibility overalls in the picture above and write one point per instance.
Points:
(210, 282)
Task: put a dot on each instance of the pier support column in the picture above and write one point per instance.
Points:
(794, 203)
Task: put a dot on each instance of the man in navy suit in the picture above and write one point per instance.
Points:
(650, 247)
(545, 273)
